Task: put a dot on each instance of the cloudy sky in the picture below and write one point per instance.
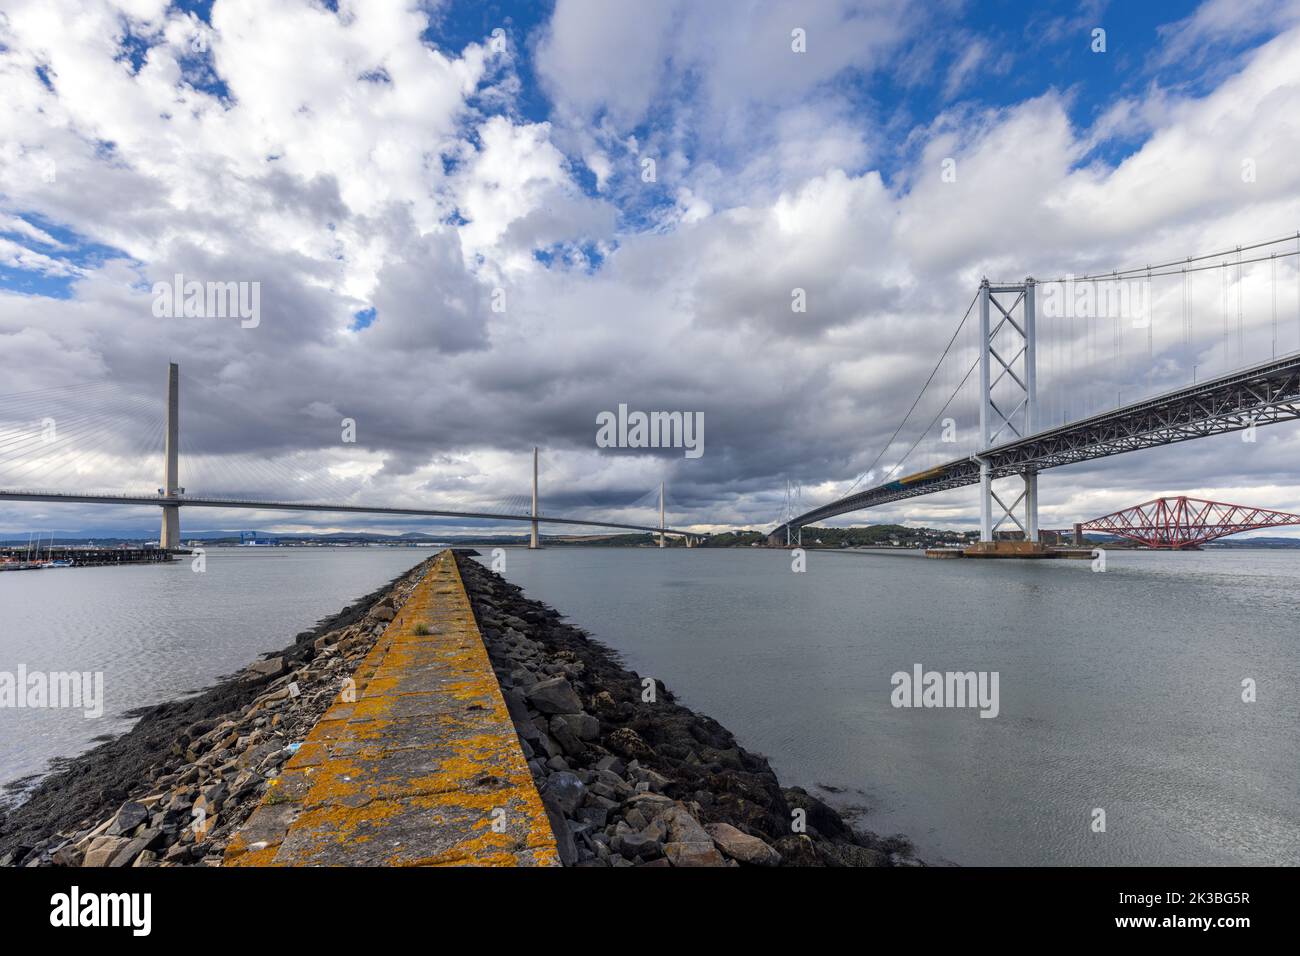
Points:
(474, 226)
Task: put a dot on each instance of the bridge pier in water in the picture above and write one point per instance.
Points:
(169, 537)
(661, 514)
(533, 542)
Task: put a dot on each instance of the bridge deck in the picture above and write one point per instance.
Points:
(1262, 394)
(196, 501)
(423, 769)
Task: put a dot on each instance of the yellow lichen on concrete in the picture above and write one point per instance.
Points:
(423, 768)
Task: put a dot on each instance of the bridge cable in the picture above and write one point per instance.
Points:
(1117, 273)
(919, 394)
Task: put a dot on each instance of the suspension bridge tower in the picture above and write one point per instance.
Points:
(1008, 354)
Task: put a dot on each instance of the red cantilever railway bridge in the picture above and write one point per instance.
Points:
(1175, 524)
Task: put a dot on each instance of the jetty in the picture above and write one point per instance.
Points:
(69, 556)
(421, 766)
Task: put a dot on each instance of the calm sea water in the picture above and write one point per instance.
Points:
(159, 631)
(1119, 691)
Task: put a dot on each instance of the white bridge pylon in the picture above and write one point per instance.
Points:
(1008, 397)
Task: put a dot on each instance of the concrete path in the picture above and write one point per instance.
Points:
(422, 769)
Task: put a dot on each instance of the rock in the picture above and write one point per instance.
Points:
(798, 849)
(643, 844)
(729, 758)
(650, 804)
(636, 819)
(684, 828)
(820, 817)
(245, 783)
(746, 814)
(596, 816)
(602, 789)
(654, 781)
(850, 854)
(528, 730)
(656, 828)
(689, 844)
(127, 853)
(11, 857)
(103, 849)
(612, 764)
(130, 816)
(214, 795)
(382, 613)
(565, 737)
(254, 756)
(741, 846)
(517, 704)
(177, 853)
(629, 743)
(612, 780)
(693, 854)
(566, 790)
(582, 726)
(554, 696)
(270, 667)
(902, 859)
(568, 850)
(67, 855)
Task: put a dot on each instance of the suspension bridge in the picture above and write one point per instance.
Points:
(1099, 339)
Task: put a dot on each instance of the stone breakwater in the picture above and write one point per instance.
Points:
(175, 788)
(632, 782)
(624, 781)
(422, 768)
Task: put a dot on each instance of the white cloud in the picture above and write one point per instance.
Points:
(339, 193)
(17, 256)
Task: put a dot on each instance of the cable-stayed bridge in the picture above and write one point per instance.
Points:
(81, 441)
(1095, 335)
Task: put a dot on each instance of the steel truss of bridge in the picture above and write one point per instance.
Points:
(1260, 395)
(1174, 524)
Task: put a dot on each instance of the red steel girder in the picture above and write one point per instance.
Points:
(1173, 524)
